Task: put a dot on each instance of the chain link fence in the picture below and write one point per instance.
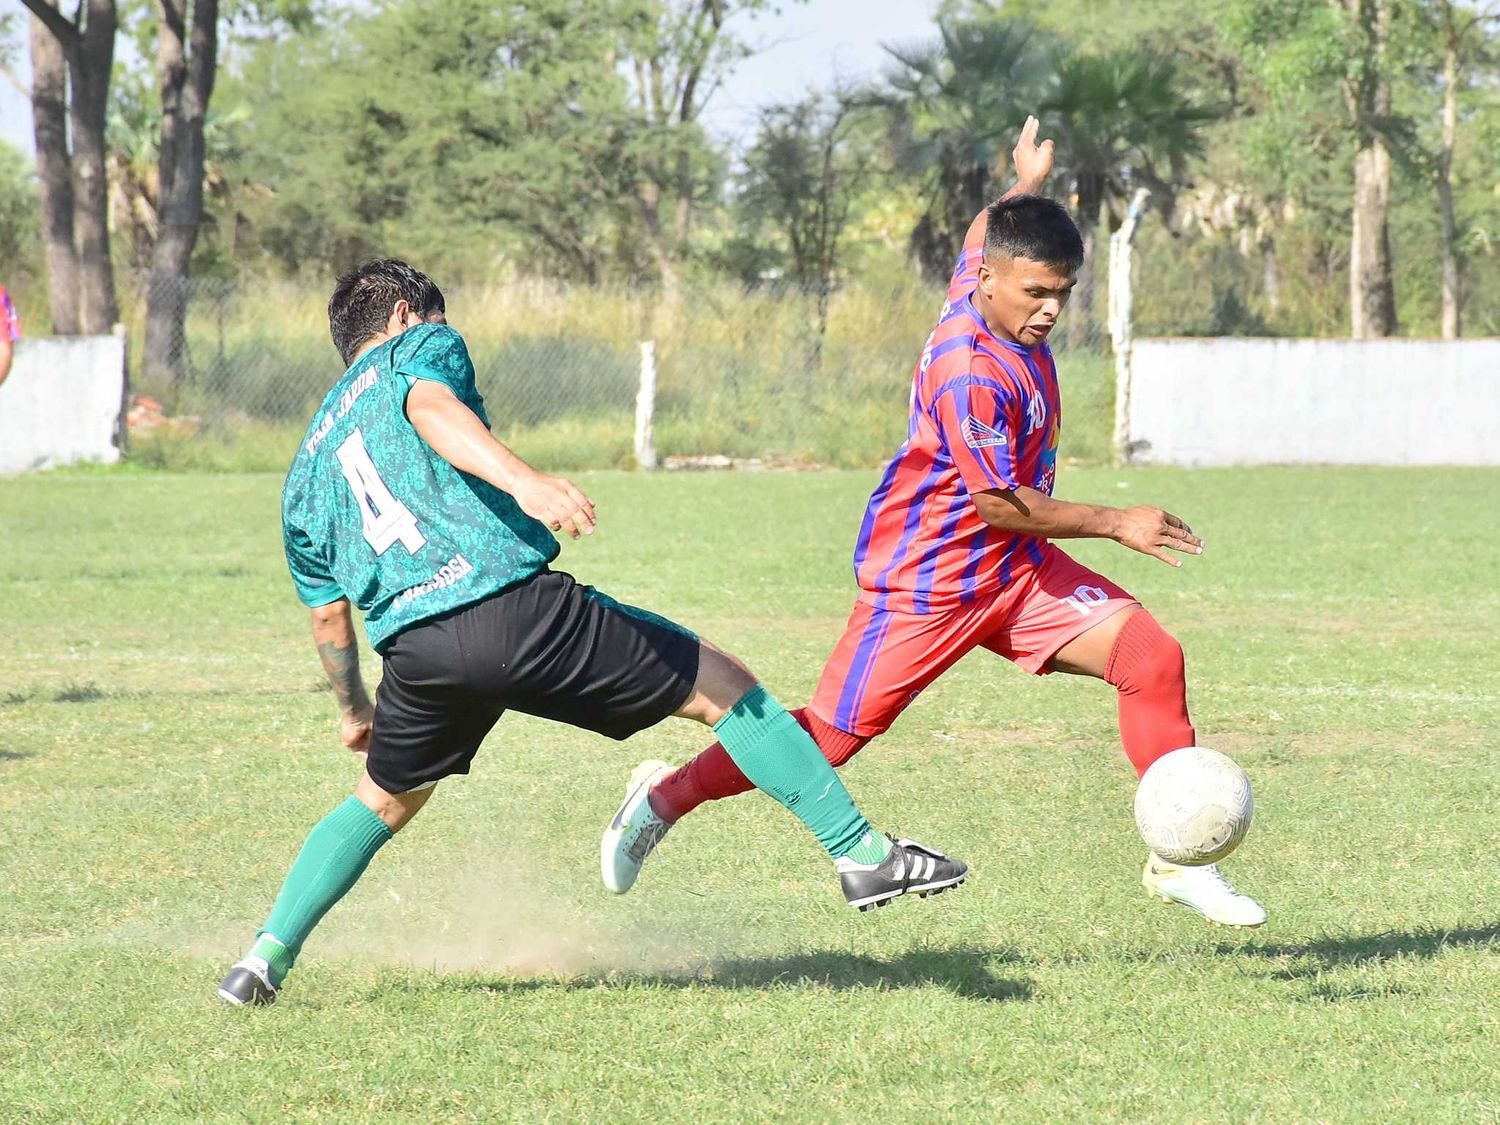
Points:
(766, 375)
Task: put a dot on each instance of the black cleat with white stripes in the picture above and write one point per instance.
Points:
(249, 984)
(909, 868)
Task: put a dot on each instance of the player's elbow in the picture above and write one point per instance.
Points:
(1003, 510)
(330, 614)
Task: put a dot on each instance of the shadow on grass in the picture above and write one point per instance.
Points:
(965, 971)
(79, 693)
(14, 755)
(1325, 954)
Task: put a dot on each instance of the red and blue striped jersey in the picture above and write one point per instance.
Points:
(984, 415)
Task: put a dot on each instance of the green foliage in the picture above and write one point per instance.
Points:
(507, 122)
(20, 218)
(801, 175)
(1122, 121)
(955, 107)
(564, 140)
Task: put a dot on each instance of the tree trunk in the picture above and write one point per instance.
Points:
(1270, 274)
(49, 116)
(1372, 291)
(1452, 314)
(186, 72)
(89, 78)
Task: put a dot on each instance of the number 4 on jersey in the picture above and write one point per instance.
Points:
(387, 521)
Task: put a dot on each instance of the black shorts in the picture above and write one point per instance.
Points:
(548, 647)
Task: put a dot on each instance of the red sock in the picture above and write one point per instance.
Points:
(1147, 666)
(712, 775)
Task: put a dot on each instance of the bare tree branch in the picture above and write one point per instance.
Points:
(66, 33)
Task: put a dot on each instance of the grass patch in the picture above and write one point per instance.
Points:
(165, 743)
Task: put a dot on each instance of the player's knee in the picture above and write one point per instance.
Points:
(722, 682)
(395, 809)
(837, 746)
(1167, 668)
(1146, 658)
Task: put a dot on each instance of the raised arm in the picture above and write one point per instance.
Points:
(1033, 163)
(460, 438)
(338, 649)
(1028, 511)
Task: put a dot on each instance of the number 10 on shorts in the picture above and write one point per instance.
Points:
(387, 521)
(1085, 598)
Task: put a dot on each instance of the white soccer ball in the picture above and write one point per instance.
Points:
(1193, 806)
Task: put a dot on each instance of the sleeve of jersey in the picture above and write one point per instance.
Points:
(966, 269)
(438, 353)
(979, 422)
(310, 574)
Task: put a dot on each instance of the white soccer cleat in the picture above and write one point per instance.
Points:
(1203, 889)
(635, 830)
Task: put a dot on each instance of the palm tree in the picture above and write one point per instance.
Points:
(1121, 122)
(955, 105)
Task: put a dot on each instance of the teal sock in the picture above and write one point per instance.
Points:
(336, 853)
(780, 759)
(870, 848)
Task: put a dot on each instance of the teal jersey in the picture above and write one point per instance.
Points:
(372, 513)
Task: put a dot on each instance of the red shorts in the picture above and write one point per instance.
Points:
(886, 659)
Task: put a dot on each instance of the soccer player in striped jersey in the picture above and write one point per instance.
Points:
(956, 550)
(400, 502)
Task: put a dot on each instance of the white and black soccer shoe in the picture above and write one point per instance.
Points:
(248, 983)
(909, 868)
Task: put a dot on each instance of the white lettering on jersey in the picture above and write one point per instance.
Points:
(450, 572)
(362, 383)
(319, 434)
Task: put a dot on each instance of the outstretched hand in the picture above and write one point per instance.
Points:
(1033, 161)
(556, 502)
(1154, 532)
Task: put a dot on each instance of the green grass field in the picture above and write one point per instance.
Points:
(166, 742)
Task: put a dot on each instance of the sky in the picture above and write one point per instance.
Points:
(805, 46)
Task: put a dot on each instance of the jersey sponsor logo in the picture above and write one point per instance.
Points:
(979, 435)
(450, 572)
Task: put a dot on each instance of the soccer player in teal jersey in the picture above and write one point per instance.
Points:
(400, 502)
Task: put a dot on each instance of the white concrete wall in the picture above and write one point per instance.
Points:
(1230, 401)
(61, 403)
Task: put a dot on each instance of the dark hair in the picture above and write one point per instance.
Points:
(1030, 226)
(363, 298)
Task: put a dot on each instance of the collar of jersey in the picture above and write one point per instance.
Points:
(978, 319)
